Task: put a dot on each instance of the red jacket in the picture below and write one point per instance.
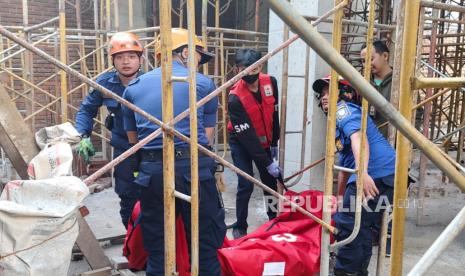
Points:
(260, 114)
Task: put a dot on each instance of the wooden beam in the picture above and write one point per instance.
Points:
(16, 138)
(90, 246)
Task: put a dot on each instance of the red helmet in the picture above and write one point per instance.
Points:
(124, 42)
(344, 87)
(320, 83)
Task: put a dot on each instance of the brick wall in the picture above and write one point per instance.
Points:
(11, 14)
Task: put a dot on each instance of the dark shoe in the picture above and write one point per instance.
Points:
(239, 233)
(229, 226)
(338, 272)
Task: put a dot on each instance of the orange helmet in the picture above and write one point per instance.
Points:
(179, 38)
(124, 42)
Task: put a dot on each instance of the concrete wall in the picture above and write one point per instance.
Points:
(139, 14)
(316, 126)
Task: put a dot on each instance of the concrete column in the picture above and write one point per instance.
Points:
(316, 127)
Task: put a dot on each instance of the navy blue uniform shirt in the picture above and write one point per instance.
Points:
(146, 93)
(382, 155)
(94, 100)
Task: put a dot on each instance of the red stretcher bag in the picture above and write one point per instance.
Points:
(134, 251)
(286, 245)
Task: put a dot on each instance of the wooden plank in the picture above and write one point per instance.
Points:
(16, 137)
(126, 272)
(105, 271)
(119, 262)
(90, 246)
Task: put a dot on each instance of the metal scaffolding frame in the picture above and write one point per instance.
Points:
(442, 98)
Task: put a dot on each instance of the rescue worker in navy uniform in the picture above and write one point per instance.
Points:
(378, 178)
(146, 93)
(254, 133)
(126, 52)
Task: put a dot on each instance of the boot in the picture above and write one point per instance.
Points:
(338, 272)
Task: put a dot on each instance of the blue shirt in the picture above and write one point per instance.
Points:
(382, 156)
(146, 93)
(94, 100)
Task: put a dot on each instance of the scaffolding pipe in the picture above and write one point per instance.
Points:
(440, 244)
(311, 165)
(422, 83)
(193, 139)
(40, 25)
(22, 50)
(303, 132)
(330, 138)
(311, 36)
(355, 23)
(168, 127)
(426, 121)
(283, 103)
(361, 169)
(442, 6)
(63, 52)
(234, 31)
(168, 138)
(130, 14)
(403, 145)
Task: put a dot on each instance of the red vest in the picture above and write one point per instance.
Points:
(260, 114)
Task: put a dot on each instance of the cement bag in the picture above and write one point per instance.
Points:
(39, 226)
(58, 133)
(53, 161)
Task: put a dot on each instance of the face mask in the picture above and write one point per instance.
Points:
(250, 78)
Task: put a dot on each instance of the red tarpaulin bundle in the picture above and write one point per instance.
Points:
(286, 245)
(134, 250)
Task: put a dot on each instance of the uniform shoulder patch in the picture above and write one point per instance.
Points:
(268, 90)
(342, 112)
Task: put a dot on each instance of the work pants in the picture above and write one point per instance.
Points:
(212, 228)
(355, 256)
(125, 187)
(243, 161)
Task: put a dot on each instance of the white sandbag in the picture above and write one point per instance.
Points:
(53, 161)
(58, 133)
(39, 226)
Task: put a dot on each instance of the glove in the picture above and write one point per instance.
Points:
(86, 149)
(274, 169)
(274, 153)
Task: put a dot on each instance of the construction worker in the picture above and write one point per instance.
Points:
(254, 134)
(381, 79)
(146, 93)
(378, 177)
(126, 53)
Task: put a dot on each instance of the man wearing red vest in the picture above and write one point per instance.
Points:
(254, 134)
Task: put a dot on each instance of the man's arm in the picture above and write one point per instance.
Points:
(369, 186)
(210, 115)
(342, 178)
(210, 132)
(87, 112)
(276, 129)
(129, 120)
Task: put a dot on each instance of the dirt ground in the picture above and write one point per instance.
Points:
(438, 210)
